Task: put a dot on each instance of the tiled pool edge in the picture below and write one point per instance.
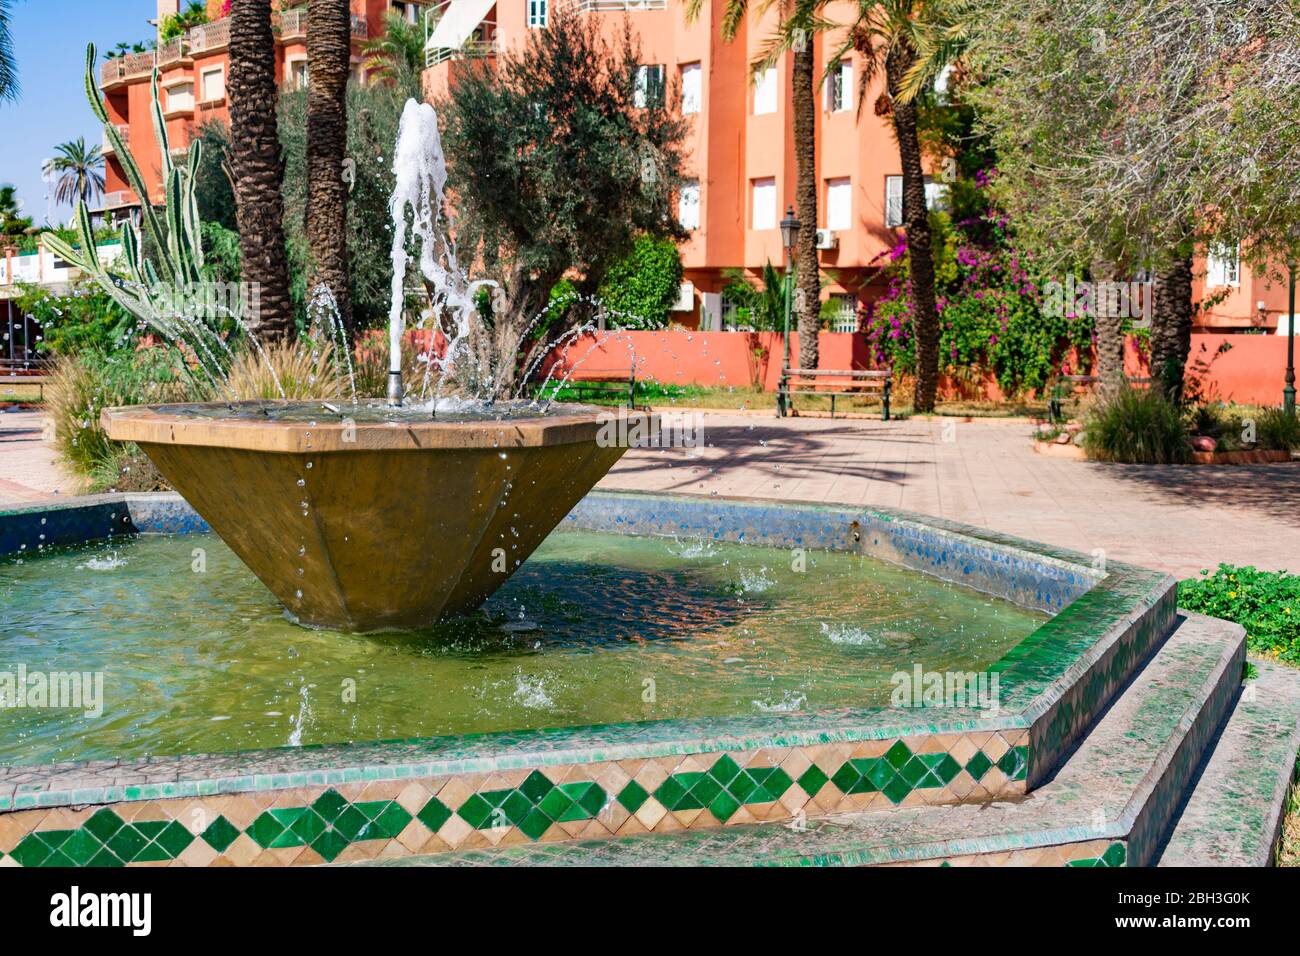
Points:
(812, 764)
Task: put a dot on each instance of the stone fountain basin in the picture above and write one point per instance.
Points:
(363, 525)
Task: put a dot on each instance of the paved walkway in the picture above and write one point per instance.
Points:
(28, 471)
(1178, 519)
(1175, 518)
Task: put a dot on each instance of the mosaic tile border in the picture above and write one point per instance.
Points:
(325, 824)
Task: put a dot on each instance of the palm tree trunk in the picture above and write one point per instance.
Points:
(916, 224)
(258, 166)
(1171, 327)
(329, 54)
(1107, 325)
(805, 193)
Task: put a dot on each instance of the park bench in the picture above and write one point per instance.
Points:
(1064, 385)
(26, 372)
(595, 383)
(833, 383)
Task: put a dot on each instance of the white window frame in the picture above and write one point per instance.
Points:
(765, 92)
(539, 14)
(641, 92)
(839, 204)
(688, 205)
(692, 88)
(1223, 266)
(291, 74)
(845, 318)
(762, 218)
(204, 74)
(180, 96)
(893, 202)
(839, 87)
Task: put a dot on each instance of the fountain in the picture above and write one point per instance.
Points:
(374, 515)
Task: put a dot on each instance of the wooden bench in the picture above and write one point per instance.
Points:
(1068, 384)
(833, 383)
(26, 372)
(597, 384)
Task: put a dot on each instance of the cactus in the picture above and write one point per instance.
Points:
(170, 294)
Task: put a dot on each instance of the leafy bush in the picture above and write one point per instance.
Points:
(1276, 430)
(990, 316)
(643, 285)
(761, 308)
(1265, 603)
(1138, 426)
(83, 318)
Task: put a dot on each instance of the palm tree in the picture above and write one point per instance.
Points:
(800, 19)
(909, 42)
(329, 54)
(400, 48)
(258, 166)
(9, 88)
(79, 170)
(12, 222)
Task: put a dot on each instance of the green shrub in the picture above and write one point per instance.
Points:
(644, 285)
(1139, 426)
(1276, 430)
(1265, 603)
(85, 317)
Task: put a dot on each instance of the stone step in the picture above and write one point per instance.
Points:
(1110, 803)
(1233, 813)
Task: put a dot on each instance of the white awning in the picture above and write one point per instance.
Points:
(458, 23)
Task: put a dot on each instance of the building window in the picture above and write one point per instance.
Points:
(649, 90)
(180, 97)
(688, 204)
(406, 9)
(839, 205)
(893, 201)
(691, 90)
(765, 91)
(212, 83)
(763, 214)
(839, 87)
(936, 197)
(538, 13)
(298, 74)
(1223, 266)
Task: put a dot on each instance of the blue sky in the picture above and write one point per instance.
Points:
(50, 38)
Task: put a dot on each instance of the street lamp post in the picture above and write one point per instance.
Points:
(1288, 393)
(789, 236)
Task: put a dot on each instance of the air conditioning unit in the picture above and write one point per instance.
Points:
(685, 298)
(827, 239)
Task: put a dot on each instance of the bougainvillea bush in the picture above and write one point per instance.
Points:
(990, 313)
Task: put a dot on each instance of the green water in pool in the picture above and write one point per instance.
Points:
(197, 656)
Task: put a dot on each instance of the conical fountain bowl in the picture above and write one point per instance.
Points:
(364, 518)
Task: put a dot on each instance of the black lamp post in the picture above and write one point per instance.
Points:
(1288, 393)
(789, 236)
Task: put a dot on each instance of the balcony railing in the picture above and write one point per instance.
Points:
(613, 6)
(293, 23)
(125, 67)
(171, 52)
(123, 130)
(210, 36)
(116, 200)
(359, 28)
(469, 50)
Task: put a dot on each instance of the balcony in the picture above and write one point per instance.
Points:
(122, 68)
(117, 200)
(620, 6)
(172, 52)
(210, 36)
(124, 131)
(469, 50)
(292, 24)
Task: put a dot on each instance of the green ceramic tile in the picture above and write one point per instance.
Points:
(724, 770)
(633, 796)
(394, 818)
(898, 755)
(536, 786)
(434, 814)
(896, 790)
(329, 805)
(103, 823)
(534, 824)
(329, 844)
(219, 834)
(127, 842)
(475, 811)
(264, 830)
(812, 780)
(31, 850)
(978, 765)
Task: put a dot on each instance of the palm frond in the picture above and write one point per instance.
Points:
(9, 86)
